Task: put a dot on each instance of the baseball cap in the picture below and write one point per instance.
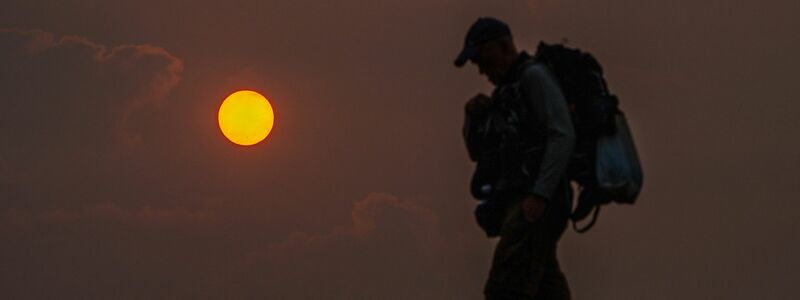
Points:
(483, 30)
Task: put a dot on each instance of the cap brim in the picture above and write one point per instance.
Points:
(466, 54)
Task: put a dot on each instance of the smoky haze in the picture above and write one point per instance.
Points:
(115, 182)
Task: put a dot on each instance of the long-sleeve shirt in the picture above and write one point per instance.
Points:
(538, 86)
(554, 136)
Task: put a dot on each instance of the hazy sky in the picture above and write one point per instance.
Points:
(116, 183)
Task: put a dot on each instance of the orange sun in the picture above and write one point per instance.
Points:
(246, 117)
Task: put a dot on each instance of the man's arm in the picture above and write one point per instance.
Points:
(542, 89)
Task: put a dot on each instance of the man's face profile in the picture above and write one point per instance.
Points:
(489, 61)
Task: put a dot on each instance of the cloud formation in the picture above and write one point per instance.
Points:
(118, 81)
(390, 242)
(393, 249)
(71, 108)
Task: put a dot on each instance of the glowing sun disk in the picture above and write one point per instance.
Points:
(246, 117)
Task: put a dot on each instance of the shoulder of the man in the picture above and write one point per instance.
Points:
(533, 70)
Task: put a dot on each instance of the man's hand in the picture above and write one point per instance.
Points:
(533, 207)
(478, 104)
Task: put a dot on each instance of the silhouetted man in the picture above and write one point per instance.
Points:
(521, 138)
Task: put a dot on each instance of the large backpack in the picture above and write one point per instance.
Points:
(604, 162)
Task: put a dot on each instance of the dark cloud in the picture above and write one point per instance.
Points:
(376, 213)
(108, 85)
(72, 110)
(390, 243)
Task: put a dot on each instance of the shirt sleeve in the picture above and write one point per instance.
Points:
(550, 107)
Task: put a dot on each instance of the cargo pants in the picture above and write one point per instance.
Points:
(524, 265)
